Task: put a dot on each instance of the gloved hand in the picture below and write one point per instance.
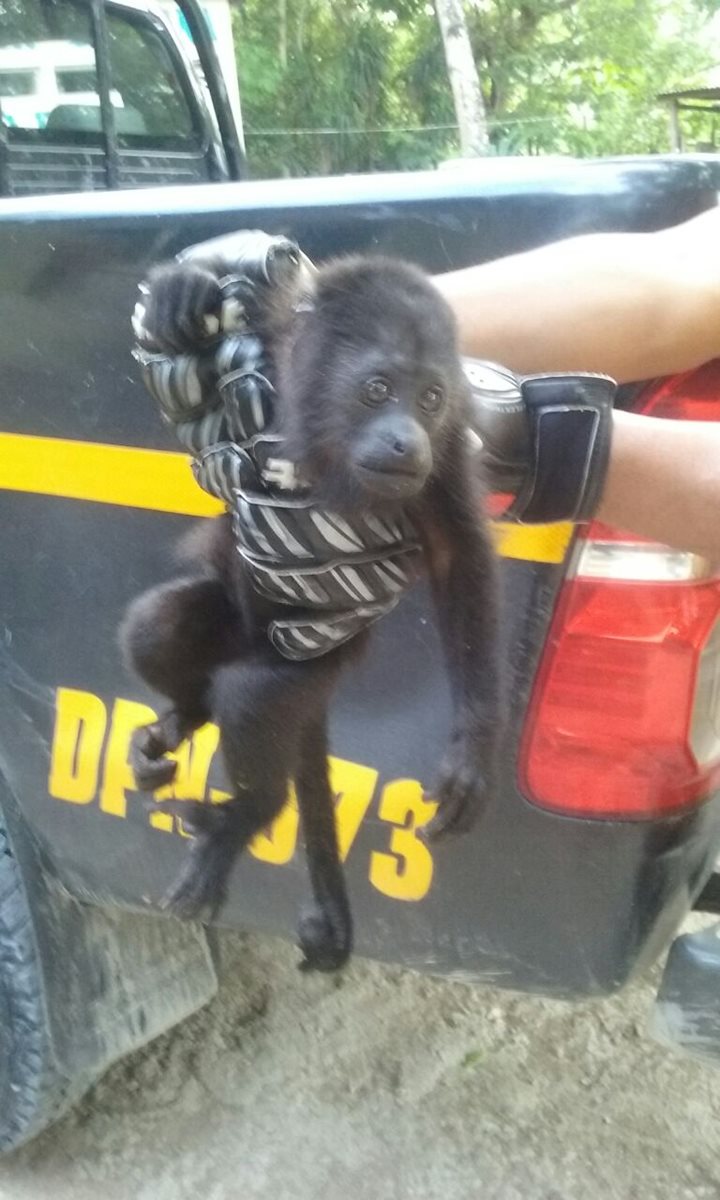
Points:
(195, 327)
(545, 439)
(216, 287)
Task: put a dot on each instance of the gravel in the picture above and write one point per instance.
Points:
(381, 1084)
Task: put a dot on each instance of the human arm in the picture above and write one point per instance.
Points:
(663, 482)
(629, 305)
(632, 306)
(656, 477)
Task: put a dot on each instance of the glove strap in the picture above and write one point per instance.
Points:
(570, 419)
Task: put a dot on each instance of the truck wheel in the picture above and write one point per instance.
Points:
(32, 1091)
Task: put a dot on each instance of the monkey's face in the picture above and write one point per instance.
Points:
(382, 427)
(390, 439)
(376, 383)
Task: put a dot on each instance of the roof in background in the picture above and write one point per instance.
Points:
(697, 93)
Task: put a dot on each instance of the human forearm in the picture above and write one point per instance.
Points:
(626, 304)
(656, 477)
(663, 482)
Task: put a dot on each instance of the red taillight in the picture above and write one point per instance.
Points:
(624, 720)
(694, 396)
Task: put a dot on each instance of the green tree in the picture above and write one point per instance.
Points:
(323, 68)
(581, 77)
(360, 85)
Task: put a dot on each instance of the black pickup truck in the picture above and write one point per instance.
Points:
(606, 823)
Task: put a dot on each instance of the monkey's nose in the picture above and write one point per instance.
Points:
(402, 446)
(407, 453)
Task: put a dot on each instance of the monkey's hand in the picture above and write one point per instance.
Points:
(465, 784)
(545, 439)
(150, 745)
(180, 308)
(147, 758)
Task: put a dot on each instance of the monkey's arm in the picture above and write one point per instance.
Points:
(463, 574)
(174, 636)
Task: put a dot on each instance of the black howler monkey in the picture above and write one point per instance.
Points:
(371, 410)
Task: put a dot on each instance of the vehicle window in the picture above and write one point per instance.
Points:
(38, 40)
(17, 83)
(79, 80)
(48, 79)
(146, 79)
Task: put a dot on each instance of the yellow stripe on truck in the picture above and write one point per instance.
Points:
(162, 482)
(124, 475)
(537, 543)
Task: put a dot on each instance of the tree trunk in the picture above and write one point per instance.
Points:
(282, 34)
(462, 72)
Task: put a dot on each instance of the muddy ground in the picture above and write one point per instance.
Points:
(386, 1085)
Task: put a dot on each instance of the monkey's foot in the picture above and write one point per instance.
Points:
(200, 889)
(325, 938)
(461, 794)
(151, 768)
(193, 897)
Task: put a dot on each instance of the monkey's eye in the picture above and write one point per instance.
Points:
(432, 399)
(376, 391)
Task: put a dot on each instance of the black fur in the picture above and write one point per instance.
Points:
(202, 641)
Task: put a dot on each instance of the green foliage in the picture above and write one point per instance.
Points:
(361, 85)
(343, 77)
(581, 78)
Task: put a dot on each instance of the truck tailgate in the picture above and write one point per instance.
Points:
(92, 497)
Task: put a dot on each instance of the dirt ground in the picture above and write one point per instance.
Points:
(386, 1085)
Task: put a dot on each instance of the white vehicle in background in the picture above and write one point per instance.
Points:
(50, 90)
(38, 78)
(142, 94)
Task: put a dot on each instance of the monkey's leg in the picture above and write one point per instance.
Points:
(262, 705)
(465, 589)
(467, 773)
(174, 636)
(220, 834)
(325, 929)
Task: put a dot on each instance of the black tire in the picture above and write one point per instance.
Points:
(33, 1092)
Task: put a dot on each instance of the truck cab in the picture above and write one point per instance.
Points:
(114, 96)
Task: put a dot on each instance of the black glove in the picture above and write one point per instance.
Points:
(545, 439)
(195, 329)
(216, 287)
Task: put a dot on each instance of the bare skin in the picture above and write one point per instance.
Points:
(629, 305)
(633, 306)
(663, 482)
